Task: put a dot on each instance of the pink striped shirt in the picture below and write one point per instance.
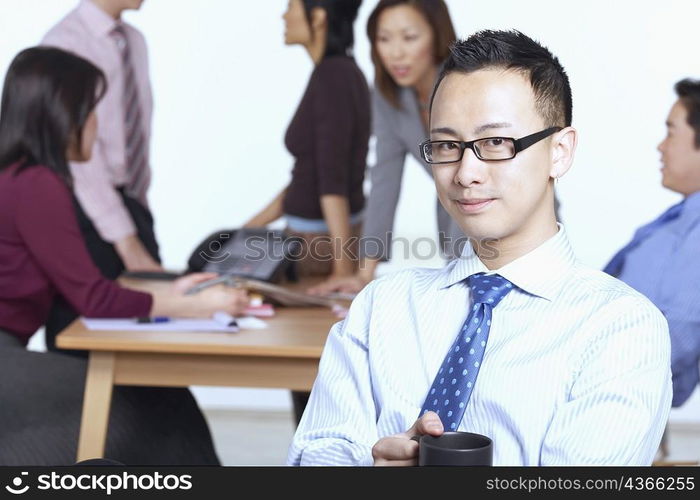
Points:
(86, 31)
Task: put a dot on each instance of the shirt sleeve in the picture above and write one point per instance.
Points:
(385, 176)
(47, 223)
(620, 399)
(333, 129)
(339, 423)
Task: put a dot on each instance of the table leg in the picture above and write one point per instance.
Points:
(96, 405)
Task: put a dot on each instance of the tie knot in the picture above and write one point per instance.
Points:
(488, 289)
(119, 29)
(119, 35)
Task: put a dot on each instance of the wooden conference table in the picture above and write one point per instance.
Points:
(284, 355)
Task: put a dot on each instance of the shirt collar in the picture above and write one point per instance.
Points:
(540, 272)
(688, 216)
(692, 204)
(97, 21)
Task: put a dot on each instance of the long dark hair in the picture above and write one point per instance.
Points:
(340, 17)
(438, 17)
(47, 97)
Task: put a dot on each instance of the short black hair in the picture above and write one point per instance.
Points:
(340, 18)
(46, 100)
(512, 50)
(688, 91)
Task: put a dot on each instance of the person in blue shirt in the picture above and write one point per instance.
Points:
(661, 260)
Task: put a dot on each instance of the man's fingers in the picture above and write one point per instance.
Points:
(395, 448)
(429, 423)
(401, 449)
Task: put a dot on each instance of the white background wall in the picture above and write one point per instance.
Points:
(225, 88)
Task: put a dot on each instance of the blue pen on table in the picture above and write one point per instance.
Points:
(154, 319)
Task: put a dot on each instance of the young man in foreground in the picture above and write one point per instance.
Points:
(559, 364)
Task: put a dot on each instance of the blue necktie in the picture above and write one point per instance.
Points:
(614, 267)
(454, 383)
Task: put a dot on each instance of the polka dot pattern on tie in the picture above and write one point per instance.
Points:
(486, 292)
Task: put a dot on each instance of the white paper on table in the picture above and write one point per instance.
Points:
(251, 323)
(174, 325)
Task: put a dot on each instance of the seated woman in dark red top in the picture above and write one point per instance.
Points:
(42, 252)
(47, 119)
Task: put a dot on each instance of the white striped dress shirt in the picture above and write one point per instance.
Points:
(576, 369)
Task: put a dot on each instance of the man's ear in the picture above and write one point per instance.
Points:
(319, 18)
(563, 149)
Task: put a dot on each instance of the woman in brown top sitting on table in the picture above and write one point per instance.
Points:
(47, 118)
(328, 138)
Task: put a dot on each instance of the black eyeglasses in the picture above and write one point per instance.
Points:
(487, 149)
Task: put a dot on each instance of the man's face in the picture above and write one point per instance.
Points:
(504, 200)
(679, 156)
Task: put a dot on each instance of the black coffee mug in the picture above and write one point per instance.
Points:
(455, 448)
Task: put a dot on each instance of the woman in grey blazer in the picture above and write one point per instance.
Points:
(410, 40)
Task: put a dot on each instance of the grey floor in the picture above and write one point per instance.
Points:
(262, 438)
(251, 438)
(684, 443)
